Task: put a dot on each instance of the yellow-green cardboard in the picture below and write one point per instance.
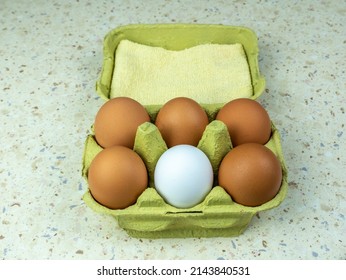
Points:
(151, 216)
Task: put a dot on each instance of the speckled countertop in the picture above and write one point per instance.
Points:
(50, 58)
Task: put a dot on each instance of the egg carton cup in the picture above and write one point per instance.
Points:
(217, 215)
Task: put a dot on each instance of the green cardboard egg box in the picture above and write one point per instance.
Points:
(151, 216)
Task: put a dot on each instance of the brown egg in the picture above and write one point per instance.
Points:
(117, 121)
(181, 121)
(251, 174)
(116, 177)
(247, 121)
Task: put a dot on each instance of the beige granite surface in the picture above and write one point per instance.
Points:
(50, 58)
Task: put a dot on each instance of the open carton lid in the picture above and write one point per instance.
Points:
(177, 37)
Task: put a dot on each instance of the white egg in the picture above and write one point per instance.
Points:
(183, 176)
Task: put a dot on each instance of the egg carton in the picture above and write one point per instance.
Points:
(217, 215)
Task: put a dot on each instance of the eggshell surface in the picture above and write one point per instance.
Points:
(183, 176)
(247, 121)
(116, 177)
(117, 121)
(181, 121)
(251, 174)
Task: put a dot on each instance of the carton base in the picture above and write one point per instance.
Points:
(187, 233)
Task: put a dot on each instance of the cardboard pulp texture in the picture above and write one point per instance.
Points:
(151, 216)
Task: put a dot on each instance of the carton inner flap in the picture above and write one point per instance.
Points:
(208, 73)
